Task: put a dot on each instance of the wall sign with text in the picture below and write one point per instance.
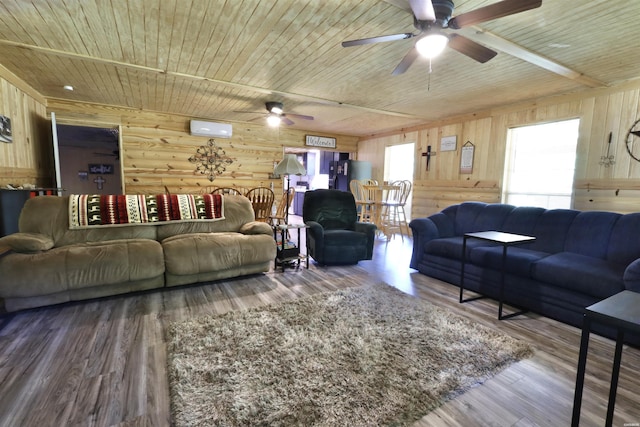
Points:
(448, 143)
(320, 141)
(466, 157)
(100, 169)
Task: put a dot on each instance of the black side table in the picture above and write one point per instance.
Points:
(287, 255)
(622, 311)
(504, 239)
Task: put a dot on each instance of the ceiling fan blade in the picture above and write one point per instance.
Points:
(470, 48)
(406, 62)
(493, 11)
(423, 10)
(378, 39)
(299, 116)
(286, 121)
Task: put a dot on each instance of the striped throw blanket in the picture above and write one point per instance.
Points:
(96, 210)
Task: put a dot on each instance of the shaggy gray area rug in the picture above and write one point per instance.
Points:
(362, 356)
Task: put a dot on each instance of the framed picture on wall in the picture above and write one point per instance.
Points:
(5, 129)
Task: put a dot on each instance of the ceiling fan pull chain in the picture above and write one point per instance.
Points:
(429, 77)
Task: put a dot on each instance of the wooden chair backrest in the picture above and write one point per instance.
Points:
(279, 217)
(226, 190)
(359, 193)
(262, 201)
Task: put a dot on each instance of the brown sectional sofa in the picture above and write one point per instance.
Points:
(48, 263)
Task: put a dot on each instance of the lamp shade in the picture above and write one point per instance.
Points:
(290, 166)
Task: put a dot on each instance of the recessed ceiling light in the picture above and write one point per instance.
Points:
(68, 87)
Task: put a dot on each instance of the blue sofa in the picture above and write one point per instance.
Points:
(577, 259)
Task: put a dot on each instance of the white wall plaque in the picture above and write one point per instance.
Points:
(448, 143)
(466, 158)
(320, 141)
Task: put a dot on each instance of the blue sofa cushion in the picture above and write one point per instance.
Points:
(581, 273)
(443, 224)
(519, 260)
(466, 215)
(522, 220)
(451, 247)
(492, 217)
(590, 232)
(551, 230)
(624, 245)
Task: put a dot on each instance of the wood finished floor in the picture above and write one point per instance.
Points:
(103, 362)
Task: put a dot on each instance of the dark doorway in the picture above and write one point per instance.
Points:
(90, 160)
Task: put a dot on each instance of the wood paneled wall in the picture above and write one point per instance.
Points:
(596, 187)
(28, 159)
(156, 148)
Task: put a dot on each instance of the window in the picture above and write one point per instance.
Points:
(540, 164)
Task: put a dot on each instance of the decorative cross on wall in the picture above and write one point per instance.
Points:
(428, 155)
(100, 180)
(210, 160)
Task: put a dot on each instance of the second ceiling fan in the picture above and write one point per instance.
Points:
(276, 115)
(431, 17)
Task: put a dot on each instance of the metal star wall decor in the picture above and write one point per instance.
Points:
(210, 160)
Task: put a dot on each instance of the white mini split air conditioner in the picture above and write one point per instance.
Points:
(217, 130)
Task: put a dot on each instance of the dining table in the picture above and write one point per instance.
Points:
(379, 195)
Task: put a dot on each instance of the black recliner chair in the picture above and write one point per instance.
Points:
(334, 235)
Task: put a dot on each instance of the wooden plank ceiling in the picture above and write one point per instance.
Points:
(210, 59)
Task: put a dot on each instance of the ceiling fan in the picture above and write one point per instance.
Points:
(275, 114)
(431, 17)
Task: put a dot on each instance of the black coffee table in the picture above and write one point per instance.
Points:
(621, 311)
(504, 239)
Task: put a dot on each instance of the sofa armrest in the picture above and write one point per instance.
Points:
(27, 242)
(315, 239)
(256, 227)
(370, 230)
(631, 277)
(315, 229)
(425, 230)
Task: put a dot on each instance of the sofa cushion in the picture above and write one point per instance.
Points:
(344, 247)
(581, 273)
(478, 216)
(590, 232)
(27, 242)
(451, 247)
(206, 252)
(551, 230)
(344, 238)
(80, 266)
(522, 220)
(237, 212)
(624, 244)
(519, 260)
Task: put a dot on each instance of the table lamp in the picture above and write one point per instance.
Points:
(289, 166)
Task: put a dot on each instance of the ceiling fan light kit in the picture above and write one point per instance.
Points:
(275, 114)
(275, 107)
(432, 44)
(273, 120)
(432, 17)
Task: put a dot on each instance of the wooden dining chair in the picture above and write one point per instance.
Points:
(393, 213)
(280, 216)
(226, 190)
(262, 201)
(364, 203)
